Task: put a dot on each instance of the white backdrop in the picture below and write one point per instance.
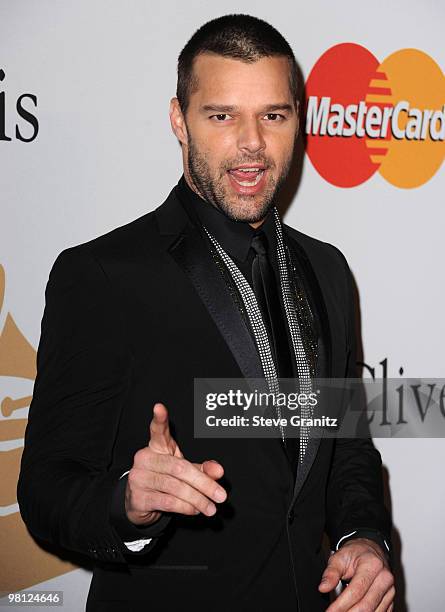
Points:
(103, 73)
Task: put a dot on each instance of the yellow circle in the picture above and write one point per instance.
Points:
(416, 79)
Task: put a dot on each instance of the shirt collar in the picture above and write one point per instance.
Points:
(235, 237)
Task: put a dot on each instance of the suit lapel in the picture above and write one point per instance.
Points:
(187, 247)
(324, 351)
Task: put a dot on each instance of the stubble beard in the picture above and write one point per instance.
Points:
(236, 207)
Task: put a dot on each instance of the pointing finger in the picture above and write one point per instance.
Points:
(160, 438)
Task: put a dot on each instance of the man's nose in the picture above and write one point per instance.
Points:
(250, 137)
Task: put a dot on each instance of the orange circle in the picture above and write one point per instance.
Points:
(418, 84)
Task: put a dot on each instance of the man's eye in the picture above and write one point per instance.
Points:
(220, 117)
(274, 117)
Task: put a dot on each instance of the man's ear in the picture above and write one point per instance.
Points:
(177, 121)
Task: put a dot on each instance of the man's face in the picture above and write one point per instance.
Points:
(239, 133)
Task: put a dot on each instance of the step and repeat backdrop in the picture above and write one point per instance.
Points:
(86, 146)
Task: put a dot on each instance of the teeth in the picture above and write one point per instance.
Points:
(249, 170)
(251, 183)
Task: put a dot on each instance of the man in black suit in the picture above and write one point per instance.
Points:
(209, 285)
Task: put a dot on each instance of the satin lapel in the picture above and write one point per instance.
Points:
(324, 353)
(192, 255)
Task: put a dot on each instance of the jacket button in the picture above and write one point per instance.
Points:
(291, 516)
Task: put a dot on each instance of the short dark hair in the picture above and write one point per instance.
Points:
(235, 36)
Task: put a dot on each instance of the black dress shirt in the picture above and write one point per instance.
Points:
(235, 237)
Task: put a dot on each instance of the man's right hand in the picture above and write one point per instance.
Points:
(161, 480)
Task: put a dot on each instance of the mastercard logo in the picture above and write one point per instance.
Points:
(363, 116)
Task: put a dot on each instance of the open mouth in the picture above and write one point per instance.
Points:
(247, 177)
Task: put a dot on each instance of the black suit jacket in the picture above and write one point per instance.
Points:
(131, 318)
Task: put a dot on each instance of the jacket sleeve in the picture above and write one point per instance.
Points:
(84, 367)
(137, 538)
(355, 488)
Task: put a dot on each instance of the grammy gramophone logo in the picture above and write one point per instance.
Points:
(23, 563)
